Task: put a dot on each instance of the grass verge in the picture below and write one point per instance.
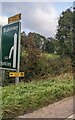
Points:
(50, 56)
(22, 98)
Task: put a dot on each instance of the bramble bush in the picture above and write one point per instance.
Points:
(43, 67)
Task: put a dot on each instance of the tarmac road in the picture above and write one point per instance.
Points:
(60, 109)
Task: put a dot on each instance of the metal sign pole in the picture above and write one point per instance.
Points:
(18, 68)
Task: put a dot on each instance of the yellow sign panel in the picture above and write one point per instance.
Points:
(16, 74)
(14, 18)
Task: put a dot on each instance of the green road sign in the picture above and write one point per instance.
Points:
(10, 44)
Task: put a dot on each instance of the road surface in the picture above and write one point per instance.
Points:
(60, 109)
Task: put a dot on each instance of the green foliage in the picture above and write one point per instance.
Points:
(65, 33)
(49, 47)
(48, 65)
(30, 58)
(22, 98)
(35, 60)
(50, 56)
(54, 67)
(39, 41)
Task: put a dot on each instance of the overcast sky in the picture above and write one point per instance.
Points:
(40, 17)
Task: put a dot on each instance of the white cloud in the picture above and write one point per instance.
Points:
(41, 17)
(37, 17)
(0, 8)
(3, 20)
(44, 21)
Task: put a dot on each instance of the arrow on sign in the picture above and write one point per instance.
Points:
(16, 74)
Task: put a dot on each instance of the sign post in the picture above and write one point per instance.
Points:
(18, 65)
(10, 45)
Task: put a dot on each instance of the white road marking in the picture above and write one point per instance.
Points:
(71, 116)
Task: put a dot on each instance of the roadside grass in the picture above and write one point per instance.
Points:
(50, 56)
(46, 55)
(26, 97)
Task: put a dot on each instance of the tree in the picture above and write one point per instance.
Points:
(29, 59)
(64, 33)
(39, 41)
(50, 45)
